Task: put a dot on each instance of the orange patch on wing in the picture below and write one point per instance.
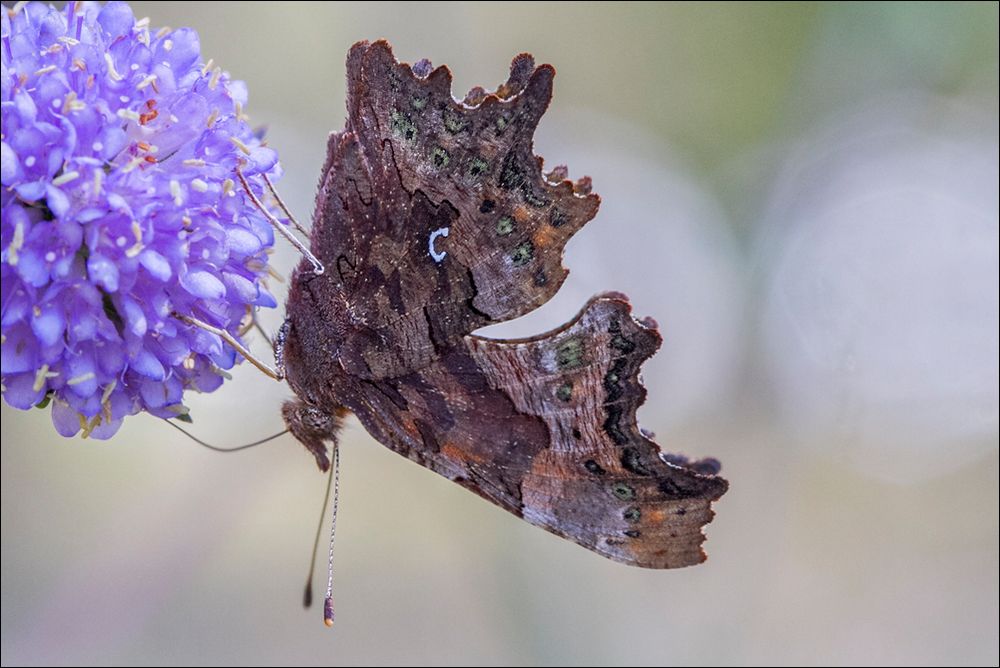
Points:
(459, 454)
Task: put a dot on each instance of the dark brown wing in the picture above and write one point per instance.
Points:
(435, 212)
(545, 428)
(433, 219)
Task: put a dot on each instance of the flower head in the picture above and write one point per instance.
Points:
(121, 209)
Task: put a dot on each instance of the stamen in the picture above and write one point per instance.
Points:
(132, 164)
(15, 243)
(112, 72)
(214, 81)
(82, 378)
(137, 247)
(40, 378)
(129, 114)
(108, 389)
(273, 273)
(175, 192)
(70, 103)
(240, 145)
(146, 82)
(65, 178)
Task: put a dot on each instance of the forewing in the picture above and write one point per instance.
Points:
(435, 213)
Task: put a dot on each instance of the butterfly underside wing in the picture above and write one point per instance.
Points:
(433, 219)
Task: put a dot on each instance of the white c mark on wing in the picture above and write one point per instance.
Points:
(442, 232)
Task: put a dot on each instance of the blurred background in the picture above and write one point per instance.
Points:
(803, 195)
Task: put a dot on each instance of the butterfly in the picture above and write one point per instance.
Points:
(434, 219)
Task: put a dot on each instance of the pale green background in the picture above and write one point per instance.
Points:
(799, 193)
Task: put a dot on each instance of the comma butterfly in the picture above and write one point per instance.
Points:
(433, 219)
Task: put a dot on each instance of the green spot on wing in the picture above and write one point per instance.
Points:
(402, 126)
(453, 122)
(440, 157)
(505, 226)
(623, 491)
(522, 254)
(565, 392)
(477, 166)
(569, 354)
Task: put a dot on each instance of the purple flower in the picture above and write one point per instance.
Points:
(121, 208)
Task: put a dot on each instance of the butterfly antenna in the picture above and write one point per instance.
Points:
(284, 209)
(292, 239)
(219, 449)
(328, 601)
(307, 597)
(231, 340)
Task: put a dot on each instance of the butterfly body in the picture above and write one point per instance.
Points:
(434, 219)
